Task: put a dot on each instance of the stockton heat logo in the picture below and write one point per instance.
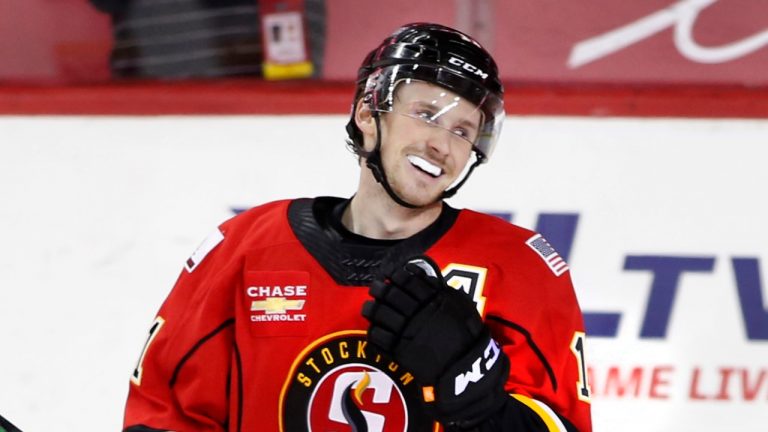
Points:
(342, 383)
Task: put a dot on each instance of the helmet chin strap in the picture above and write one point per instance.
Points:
(374, 163)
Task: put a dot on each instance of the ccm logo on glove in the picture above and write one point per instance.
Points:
(479, 368)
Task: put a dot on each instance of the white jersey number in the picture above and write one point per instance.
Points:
(582, 386)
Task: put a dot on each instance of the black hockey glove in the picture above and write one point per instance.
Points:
(435, 332)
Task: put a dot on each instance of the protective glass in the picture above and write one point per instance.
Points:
(437, 98)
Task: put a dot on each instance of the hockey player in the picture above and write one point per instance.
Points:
(388, 311)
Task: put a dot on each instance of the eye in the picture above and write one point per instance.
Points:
(426, 115)
(461, 132)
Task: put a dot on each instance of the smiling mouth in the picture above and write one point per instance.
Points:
(425, 166)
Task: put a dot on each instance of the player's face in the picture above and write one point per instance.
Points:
(427, 140)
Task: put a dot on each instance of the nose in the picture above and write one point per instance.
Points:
(439, 140)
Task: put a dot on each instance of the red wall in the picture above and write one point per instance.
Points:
(53, 41)
(68, 41)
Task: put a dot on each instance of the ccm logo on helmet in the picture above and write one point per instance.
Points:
(479, 368)
(468, 67)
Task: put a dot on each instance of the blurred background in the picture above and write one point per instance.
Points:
(636, 141)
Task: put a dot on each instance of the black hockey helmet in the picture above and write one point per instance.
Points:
(438, 55)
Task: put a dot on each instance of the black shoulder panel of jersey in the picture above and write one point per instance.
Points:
(142, 428)
(348, 258)
(7, 426)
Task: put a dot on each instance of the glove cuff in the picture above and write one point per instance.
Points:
(472, 388)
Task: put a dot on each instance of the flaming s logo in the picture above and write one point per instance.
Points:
(352, 403)
(342, 383)
(365, 400)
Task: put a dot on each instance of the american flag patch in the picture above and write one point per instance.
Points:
(550, 256)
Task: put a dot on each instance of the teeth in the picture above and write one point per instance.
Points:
(425, 165)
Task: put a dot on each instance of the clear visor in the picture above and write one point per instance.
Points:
(437, 99)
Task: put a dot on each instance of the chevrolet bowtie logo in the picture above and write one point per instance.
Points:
(276, 305)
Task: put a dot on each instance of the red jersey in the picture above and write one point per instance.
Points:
(263, 330)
